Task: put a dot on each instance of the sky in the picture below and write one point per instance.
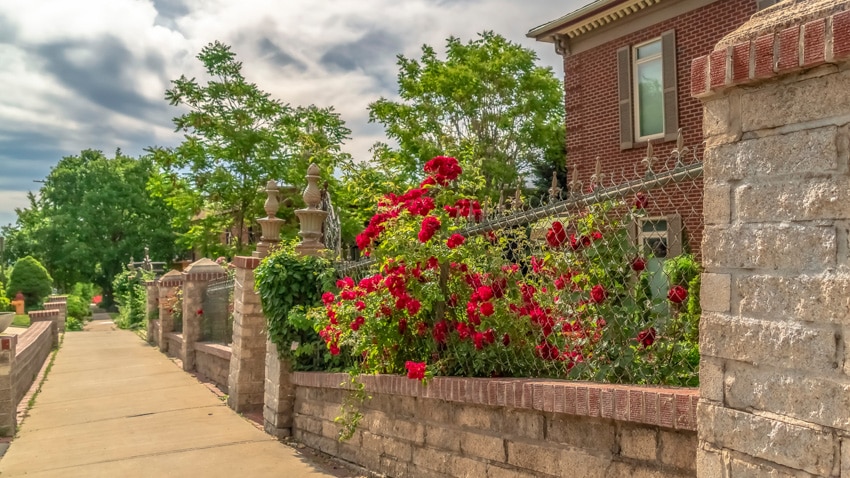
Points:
(87, 74)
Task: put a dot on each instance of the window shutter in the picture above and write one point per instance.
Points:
(671, 98)
(674, 235)
(624, 62)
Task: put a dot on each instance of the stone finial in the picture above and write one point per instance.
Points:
(681, 150)
(312, 194)
(270, 224)
(312, 217)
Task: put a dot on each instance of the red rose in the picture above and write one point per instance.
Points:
(356, 323)
(638, 264)
(506, 340)
(430, 226)
(359, 305)
(334, 348)
(415, 370)
(402, 326)
(556, 235)
(641, 201)
(479, 340)
(441, 329)
(677, 294)
(647, 337)
(455, 240)
(200, 312)
(328, 298)
(413, 306)
(484, 292)
(487, 309)
(598, 294)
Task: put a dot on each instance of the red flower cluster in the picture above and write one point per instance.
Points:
(415, 370)
(430, 226)
(598, 294)
(463, 208)
(641, 201)
(677, 294)
(638, 264)
(374, 229)
(556, 236)
(455, 240)
(443, 169)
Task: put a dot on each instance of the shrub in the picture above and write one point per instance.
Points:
(441, 303)
(30, 278)
(290, 285)
(78, 308)
(130, 295)
(5, 303)
(73, 324)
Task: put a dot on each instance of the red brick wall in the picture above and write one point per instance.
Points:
(590, 82)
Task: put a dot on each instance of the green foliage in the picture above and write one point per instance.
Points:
(21, 321)
(237, 137)
(91, 215)
(74, 324)
(487, 103)
(290, 287)
(78, 308)
(5, 302)
(131, 297)
(32, 279)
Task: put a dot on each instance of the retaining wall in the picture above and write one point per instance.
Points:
(213, 362)
(32, 350)
(502, 428)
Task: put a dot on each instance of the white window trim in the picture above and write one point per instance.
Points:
(642, 235)
(636, 95)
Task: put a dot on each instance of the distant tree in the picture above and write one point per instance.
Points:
(237, 137)
(91, 215)
(487, 103)
(30, 278)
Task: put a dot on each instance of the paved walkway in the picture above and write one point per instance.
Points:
(112, 406)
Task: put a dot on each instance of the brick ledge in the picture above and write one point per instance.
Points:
(668, 407)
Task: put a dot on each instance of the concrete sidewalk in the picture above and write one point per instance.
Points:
(112, 406)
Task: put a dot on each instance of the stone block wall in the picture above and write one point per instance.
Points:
(775, 330)
(173, 344)
(502, 428)
(213, 362)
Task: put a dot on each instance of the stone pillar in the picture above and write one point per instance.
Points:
(151, 309)
(195, 280)
(279, 394)
(246, 381)
(51, 315)
(775, 329)
(8, 407)
(60, 304)
(168, 286)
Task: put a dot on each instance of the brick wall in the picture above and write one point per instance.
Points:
(503, 428)
(33, 348)
(592, 118)
(213, 362)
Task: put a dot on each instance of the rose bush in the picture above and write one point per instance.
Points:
(575, 305)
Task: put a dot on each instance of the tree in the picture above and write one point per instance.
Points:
(487, 103)
(237, 137)
(30, 278)
(91, 215)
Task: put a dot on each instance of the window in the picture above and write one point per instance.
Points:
(659, 237)
(648, 90)
(648, 100)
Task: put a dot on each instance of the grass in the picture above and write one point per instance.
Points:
(21, 321)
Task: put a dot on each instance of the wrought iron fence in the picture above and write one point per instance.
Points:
(623, 257)
(217, 318)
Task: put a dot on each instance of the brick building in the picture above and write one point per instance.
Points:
(627, 81)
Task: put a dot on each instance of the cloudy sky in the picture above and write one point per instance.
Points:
(92, 73)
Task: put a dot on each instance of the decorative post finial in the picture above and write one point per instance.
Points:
(598, 175)
(555, 190)
(574, 186)
(270, 224)
(312, 217)
(681, 150)
(650, 159)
